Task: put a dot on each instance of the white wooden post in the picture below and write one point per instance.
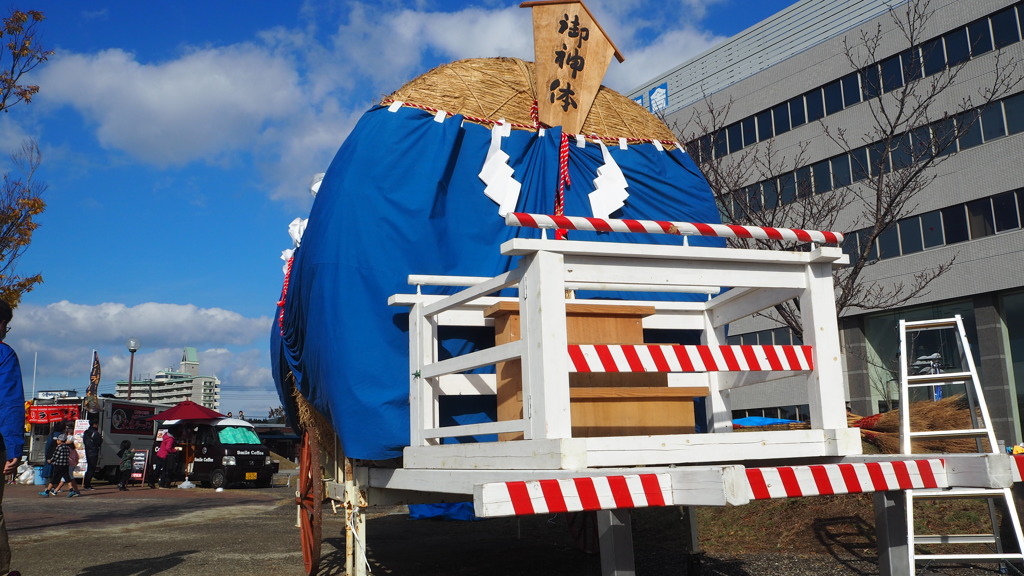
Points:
(422, 351)
(545, 369)
(718, 405)
(821, 331)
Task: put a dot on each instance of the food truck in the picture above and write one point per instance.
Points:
(217, 452)
(117, 420)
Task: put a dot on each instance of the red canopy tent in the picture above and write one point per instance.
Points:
(187, 410)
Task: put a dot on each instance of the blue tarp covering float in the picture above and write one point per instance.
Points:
(404, 195)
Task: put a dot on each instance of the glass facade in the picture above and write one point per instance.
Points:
(881, 334)
(1012, 312)
(955, 47)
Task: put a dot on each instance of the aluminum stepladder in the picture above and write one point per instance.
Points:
(931, 373)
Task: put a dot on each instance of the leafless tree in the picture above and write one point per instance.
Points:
(912, 131)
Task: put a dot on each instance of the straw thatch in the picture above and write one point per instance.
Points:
(496, 88)
(953, 413)
(310, 419)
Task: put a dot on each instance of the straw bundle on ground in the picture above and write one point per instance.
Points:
(883, 430)
(496, 88)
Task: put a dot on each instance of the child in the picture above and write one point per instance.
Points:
(124, 469)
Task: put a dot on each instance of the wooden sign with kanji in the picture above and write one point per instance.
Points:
(571, 54)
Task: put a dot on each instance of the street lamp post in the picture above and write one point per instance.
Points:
(133, 346)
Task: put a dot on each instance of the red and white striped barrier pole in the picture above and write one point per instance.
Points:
(666, 227)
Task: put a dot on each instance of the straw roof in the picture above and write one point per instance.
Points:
(496, 88)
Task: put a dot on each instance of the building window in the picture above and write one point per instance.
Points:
(889, 243)
(957, 49)
(992, 124)
(721, 144)
(871, 83)
(803, 182)
(892, 75)
(749, 131)
(954, 224)
(911, 60)
(815, 105)
(822, 177)
(833, 97)
(879, 159)
(753, 196)
(901, 152)
(979, 37)
(735, 137)
(851, 89)
(771, 194)
(796, 111)
(850, 247)
(764, 125)
(980, 216)
(859, 162)
(934, 57)
(931, 229)
(841, 171)
(1014, 106)
(787, 188)
(969, 129)
(1007, 217)
(944, 136)
(910, 235)
(780, 114)
(1004, 28)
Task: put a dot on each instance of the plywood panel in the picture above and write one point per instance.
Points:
(601, 403)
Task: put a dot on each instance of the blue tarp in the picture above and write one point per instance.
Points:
(761, 421)
(403, 196)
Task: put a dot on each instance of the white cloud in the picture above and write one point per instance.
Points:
(202, 106)
(62, 336)
(288, 97)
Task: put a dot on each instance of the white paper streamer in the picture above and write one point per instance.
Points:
(501, 188)
(609, 187)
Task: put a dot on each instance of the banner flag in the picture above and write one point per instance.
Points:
(92, 394)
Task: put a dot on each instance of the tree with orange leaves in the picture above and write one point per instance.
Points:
(20, 193)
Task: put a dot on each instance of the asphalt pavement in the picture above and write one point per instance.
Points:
(166, 532)
(252, 531)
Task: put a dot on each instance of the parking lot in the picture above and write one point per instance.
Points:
(146, 531)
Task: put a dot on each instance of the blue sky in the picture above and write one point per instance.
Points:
(179, 140)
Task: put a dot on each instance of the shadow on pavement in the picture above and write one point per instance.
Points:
(139, 566)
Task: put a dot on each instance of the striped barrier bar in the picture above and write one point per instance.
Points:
(666, 227)
(575, 494)
(854, 478)
(688, 358)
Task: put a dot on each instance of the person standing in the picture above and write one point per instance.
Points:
(62, 464)
(12, 423)
(124, 467)
(163, 459)
(92, 439)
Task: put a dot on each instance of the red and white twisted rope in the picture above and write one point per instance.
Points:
(666, 227)
(284, 293)
(563, 181)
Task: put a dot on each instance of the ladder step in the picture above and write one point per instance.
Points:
(950, 433)
(968, 557)
(930, 324)
(955, 539)
(945, 377)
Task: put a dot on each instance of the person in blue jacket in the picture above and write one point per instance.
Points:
(12, 424)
